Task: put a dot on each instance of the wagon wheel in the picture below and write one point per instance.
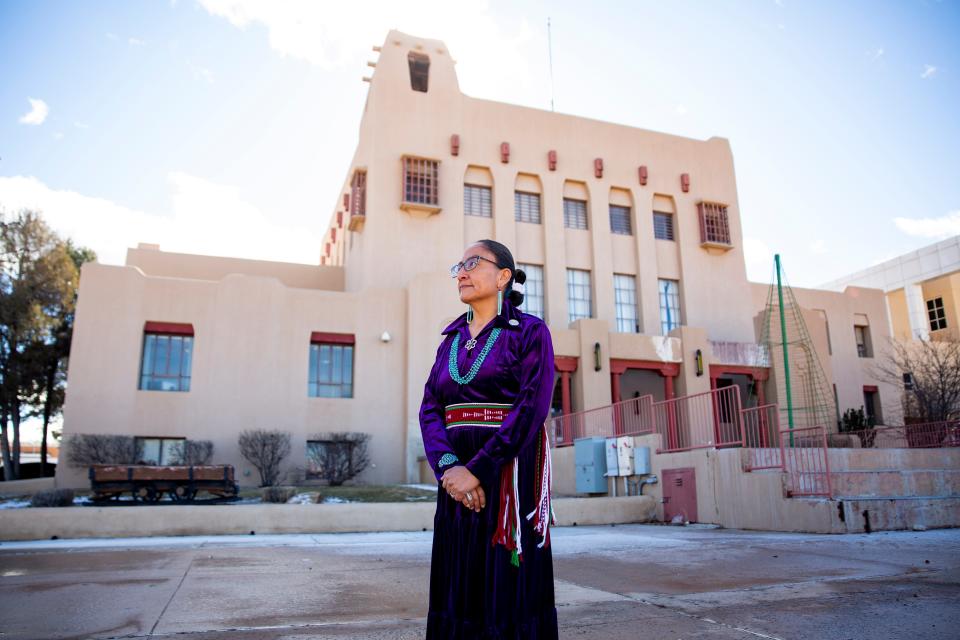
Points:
(183, 493)
(146, 493)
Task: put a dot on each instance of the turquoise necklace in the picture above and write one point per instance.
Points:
(454, 372)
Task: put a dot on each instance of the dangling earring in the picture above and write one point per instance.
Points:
(469, 313)
(499, 301)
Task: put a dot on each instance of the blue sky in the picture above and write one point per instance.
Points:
(225, 127)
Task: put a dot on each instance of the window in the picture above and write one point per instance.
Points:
(669, 293)
(331, 365)
(477, 201)
(620, 220)
(167, 356)
(358, 194)
(419, 71)
(662, 225)
(420, 181)
(938, 319)
(533, 290)
(871, 406)
(159, 451)
(862, 335)
(574, 214)
(714, 224)
(526, 207)
(578, 294)
(625, 293)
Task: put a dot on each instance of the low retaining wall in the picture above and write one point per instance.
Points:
(186, 520)
(25, 487)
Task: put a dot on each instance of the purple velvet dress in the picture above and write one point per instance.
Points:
(475, 589)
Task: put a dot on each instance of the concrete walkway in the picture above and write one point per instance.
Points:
(625, 581)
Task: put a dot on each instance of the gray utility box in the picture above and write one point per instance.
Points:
(590, 458)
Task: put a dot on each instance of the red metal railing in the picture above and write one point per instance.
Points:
(708, 419)
(625, 418)
(912, 436)
(805, 461)
(761, 434)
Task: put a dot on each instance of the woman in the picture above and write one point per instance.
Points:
(482, 418)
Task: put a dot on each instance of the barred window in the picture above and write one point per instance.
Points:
(358, 194)
(620, 220)
(533, 289)
(331, 370)
(420, 180)
(936, 314)
(578, 294)
(670, 318)
(625, 293)
(477, 201)
(526, 207)
(714, 223)
(166, 359)
(574, 214)
(663, 225)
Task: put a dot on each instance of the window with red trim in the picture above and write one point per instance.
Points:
(331, 365)
(420, 181)
(167, 356)
(714, 223)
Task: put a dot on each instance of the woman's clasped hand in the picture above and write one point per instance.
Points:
(464, 487)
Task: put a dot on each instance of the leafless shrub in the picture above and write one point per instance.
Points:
(84, 449)
(265, 450)
(339, 456)
(278, 494)
(52, 498)
(928, 374)
(193, 452)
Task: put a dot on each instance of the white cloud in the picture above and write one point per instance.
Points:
(681, 110)
(759, 259)
(875, 54)
(928, 71)
(206, 218)
(819, 246)
(201, 73)
(112, 36)
(81, 125)
(38, 112)
(136, 42)
(58, 135)
(493, 61)
(940, 228)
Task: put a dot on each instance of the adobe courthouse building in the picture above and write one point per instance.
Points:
(631, 240)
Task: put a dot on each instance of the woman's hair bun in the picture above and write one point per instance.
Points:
(519, 276)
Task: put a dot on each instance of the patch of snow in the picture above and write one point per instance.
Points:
(14, 504)
(335, 500)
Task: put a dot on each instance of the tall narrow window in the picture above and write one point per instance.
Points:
(331, 365)
(167, 356)
(533, 289)
(625, 293)
(662, 225)
(574, 214)
(419, 71)
(936, 314)
(620, 220)
(670, 317)
(358, 194)
(477, 201)
(420, 181)
(526, 207)
(862, 335)
(578, 294)
(826, 328)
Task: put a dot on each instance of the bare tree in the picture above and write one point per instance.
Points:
(192, 452)
(928, 374)
(265, 450)
(339, 456)
(84, 449)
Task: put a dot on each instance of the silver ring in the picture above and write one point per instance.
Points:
(469, 497)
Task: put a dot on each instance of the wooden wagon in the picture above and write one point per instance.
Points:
(147, 483)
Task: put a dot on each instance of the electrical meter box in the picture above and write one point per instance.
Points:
(641, 461)
(625, 456)
(613, 459)
(591, 462)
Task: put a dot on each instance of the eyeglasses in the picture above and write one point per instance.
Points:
(468, 265)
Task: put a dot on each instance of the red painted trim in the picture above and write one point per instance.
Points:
(176, 328)
(336, 338)
(454, 145)
(340, 215)
(643, 174)
(871, 388)
(757, 373)
(552, 160)
(565, 363)
(685, 182)
(346, 201)
(333, 234)
(666, 369)
(504, 152)
(598, 167)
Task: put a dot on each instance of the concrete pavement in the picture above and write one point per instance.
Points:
(625, 581)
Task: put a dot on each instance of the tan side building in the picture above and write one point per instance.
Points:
(631, 238)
